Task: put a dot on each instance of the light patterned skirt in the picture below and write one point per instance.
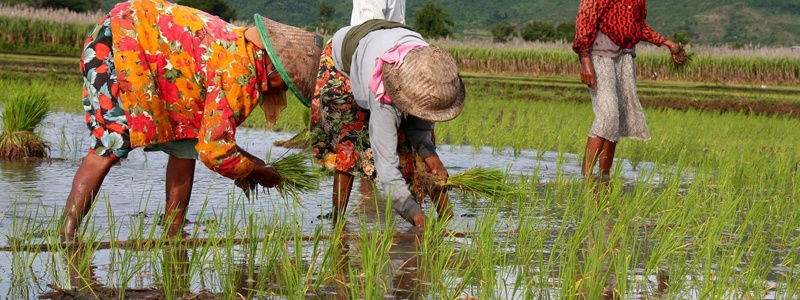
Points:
(618, 113)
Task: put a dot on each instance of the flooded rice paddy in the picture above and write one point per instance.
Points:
(34, 193)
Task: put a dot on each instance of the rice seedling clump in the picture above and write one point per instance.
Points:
(21, 114)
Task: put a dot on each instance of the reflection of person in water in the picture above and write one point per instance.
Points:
(400, 269)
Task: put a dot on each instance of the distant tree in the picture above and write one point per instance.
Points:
(325, 13)
(73, 5)
(503, 32)
(538, 31)
(219, 8)
(431, 21)
(565, 31)
(681, 37)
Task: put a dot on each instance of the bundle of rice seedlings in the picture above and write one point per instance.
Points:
(298, 176)
(681, 58)
(21, 114)
(477, 182)
(489, 183)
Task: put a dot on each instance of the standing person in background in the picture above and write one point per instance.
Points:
(390, 10)
(171, 78)
(380, 89)
(607, 32)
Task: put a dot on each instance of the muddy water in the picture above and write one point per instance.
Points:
(34, 192)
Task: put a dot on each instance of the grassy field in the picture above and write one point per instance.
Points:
(711, 216)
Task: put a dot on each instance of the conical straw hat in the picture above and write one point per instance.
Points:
(294, 53)
(426, 85)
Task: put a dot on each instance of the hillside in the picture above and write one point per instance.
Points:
(765, 22)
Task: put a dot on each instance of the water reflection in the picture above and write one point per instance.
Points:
(142, 189)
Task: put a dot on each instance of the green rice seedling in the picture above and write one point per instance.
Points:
(297, 175)
(369, 271)
(23, 232)
(441, 262)
(295, 274)
(21, 115)
(126, 264)
(488, 251)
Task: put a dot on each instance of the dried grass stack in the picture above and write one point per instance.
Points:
(21, 114)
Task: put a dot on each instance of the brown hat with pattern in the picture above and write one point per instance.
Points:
(426, 85)
(294, 53)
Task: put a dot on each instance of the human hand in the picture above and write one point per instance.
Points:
(587, 71)
(266, 176)
(679, 55)
(437, 167)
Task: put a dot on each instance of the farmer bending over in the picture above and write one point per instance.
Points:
(175, 79)
(380, 89)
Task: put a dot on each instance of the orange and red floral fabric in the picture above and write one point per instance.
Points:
(184, 73)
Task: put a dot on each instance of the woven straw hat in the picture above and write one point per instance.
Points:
(294, 53)
(426, 85)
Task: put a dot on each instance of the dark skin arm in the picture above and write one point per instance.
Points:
(587, 71)
(436, 167)
(262, 174)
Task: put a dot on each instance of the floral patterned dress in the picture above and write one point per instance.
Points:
(178, 73)
(340, 128)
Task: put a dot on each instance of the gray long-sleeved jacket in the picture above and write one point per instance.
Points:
(386, 119)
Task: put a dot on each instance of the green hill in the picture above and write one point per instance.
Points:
(764, 22)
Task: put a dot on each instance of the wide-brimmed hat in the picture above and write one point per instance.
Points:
(294, 53)
(426, 85)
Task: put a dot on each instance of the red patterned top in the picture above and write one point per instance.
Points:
(621, 20)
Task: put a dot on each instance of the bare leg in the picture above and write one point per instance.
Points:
(594, 145)
(607, 158)
(342, 184)
(85, 184)
(180, 176)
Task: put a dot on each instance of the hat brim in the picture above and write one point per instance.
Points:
(288, 33)
(427, 85)
(405, 104)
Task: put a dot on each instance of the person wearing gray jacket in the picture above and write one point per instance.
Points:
(380, 89)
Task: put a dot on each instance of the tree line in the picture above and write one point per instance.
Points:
(534, 31)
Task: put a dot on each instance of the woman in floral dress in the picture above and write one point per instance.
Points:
(171, 78)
